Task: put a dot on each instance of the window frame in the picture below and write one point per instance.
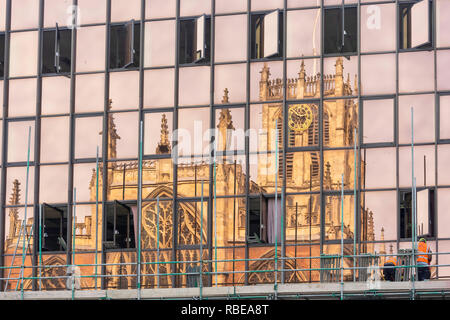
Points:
(134, 51)
(57, 56)
(257, 19)
(340, 51)
(202, 60)
(405, 8)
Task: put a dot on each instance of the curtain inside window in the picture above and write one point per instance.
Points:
(273, 214)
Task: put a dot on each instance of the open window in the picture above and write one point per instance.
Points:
(54, 228)
(2, 55)
(120, 226)
(415, 24)
(263, 215)
(56, 51)
(124, 50)
(425, 213)
(267, 35)
(341, 30)
(195, 40)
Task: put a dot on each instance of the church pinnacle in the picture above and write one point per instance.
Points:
(112, 134)
(164, 144)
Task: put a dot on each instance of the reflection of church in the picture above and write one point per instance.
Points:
(340, 118)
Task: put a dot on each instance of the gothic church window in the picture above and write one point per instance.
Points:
(57, 51)
(340, 35)
(195, 40)
(415, 24)
(267, 35)
(124, 47)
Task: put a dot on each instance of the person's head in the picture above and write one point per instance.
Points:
(423, 240)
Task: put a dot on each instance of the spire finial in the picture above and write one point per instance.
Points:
(112, 134)
(164, 144)
(225, 98)
(15, 195)
(265, 72)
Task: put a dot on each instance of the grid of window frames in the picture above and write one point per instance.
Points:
(308, 80)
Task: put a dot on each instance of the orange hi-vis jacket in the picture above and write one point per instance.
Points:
(423, 251)
(392, 259)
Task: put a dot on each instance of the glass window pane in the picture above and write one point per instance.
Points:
(55, 95)
(85, 181)
(53, 184)
(57, 11)
(265, 172)
(230, 83)
(125, 10)
(307, 41)
(54, 139)
(124, 140)
(444, 117)
(231, 38)
(378, 27)
(2, 14)
(230, 129)
(235, 184)
(303, 125)
(22, 18)
(123, 178)
(23, 57)
(342, 73)
(88, 137)
(195, 7)
(379, 216)
(303, 171)
(266, 4)
(90, 93)
(340, 120)
(443, 161)
(424, 166)
(22, 97)
(378, 168)
(303, 214)
(124, 90)
(378, 74)
(92, 11)
(159, 9)
(193, 132)
(442, 23)
(443, 216)
(160, 43)
(91, 48)
(265, 127)
(1, 98)
(189, 171)
(304, 79)
(266, 81)
(414, 66)
(443, 64)
(14, 218)
(18, 133)
(336, 164)
(19, 174)
(158, 129)
(159, 88)
(194, 86)
(333, 217)
(378, 121)
(229, 6)
(424, 130)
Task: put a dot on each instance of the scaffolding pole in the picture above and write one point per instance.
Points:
(74, 229)
(342, 239)
(157, 241)
(25, 214)
(201, 244)
(138, 273)
(40, 247)
(355, 213)
(276, 211)
(96, 218)
(215, 209)
(413, 203)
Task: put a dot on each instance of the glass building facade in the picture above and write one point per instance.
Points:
(257, 135)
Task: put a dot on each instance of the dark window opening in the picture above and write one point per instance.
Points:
(120, 225)
(54, 228)
(415, 24)
(56, 51)
(2, 55)
(424, 216)
(264, 218)
(124, 45)
(267, 35)
(337, 40)
(195, 40)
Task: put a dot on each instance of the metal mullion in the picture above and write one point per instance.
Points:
(322, 198)
(37, 134)
(175, 142)
(437, 129)
(247, 144)
(358, 137)
(4, 137)
(105, 139)
(396, 131)
(285, 145)
(212, 222)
